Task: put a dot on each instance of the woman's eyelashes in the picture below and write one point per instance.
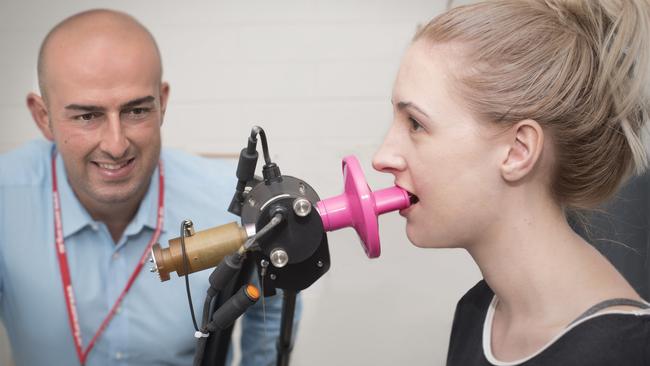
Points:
(414, 125)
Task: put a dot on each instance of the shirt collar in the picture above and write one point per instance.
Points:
(147, 215)
(75, 217)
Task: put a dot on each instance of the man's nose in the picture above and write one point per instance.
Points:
(113, 140)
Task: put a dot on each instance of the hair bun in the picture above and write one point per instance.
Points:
(581, 68)
(618, 31)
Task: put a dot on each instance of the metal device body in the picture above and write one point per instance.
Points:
(200, 249)
(283, 233)
(295, 254)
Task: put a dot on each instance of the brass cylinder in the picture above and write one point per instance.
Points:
(204, 249)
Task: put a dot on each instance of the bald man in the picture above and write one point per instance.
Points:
(79, 211)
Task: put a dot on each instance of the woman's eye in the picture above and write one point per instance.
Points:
(414, 124)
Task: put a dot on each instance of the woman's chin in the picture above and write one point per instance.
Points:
(421, 239)
(416, 238)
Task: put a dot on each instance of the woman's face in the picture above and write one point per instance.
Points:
(438, 151)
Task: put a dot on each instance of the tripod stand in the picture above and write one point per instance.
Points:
(284, 225)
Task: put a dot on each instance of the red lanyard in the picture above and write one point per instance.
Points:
(65, 271)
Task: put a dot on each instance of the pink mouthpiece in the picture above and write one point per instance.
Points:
(359, 207)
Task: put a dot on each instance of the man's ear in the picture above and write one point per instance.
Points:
(526, 145)
(164, 95)
(40, 115)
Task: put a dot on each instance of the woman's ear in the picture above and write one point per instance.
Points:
(526, 142)
(40, 115)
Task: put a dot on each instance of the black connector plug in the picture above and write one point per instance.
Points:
(232, 309)
(271, 173)
(245, 172)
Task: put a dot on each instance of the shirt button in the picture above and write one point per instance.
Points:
(119, 356)
(116, 256)
(94, 226)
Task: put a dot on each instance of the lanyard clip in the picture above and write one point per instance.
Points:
(198, 334)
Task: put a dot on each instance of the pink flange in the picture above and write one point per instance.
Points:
(359, 207)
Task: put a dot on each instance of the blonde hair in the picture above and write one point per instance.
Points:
(579, 68)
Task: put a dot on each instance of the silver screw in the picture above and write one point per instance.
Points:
(188, 227)
(264, 264)
(279, 257)
(301, 207)
(319, 264)
(251, 202)
(272, 276)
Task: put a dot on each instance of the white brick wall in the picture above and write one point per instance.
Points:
(317, 75)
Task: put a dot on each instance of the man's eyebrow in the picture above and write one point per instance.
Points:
(403, 105)
(85, 108)
(94, 108)
(135, 102)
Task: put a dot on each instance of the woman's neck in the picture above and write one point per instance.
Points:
(544, 276)
(539, 267)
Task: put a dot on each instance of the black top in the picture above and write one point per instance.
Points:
(607, 339)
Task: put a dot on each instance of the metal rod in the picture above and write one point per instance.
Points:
(285, 343)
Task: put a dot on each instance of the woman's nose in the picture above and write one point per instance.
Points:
(388, 159)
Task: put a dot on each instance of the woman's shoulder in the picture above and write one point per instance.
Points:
(478, 297)
(472, 307)
(612, 325)
(465, 342)
(471, 310)
(605, 339)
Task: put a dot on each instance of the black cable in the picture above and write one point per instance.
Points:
(251, 243)
(202, 342)
(211, 298)
(207, 305)
(187, 275)
(265, 146)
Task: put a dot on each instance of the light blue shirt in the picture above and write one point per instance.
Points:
(153, 325)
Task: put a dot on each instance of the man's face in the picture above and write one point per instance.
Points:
(105, 105)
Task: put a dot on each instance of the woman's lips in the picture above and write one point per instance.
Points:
(413, 199)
